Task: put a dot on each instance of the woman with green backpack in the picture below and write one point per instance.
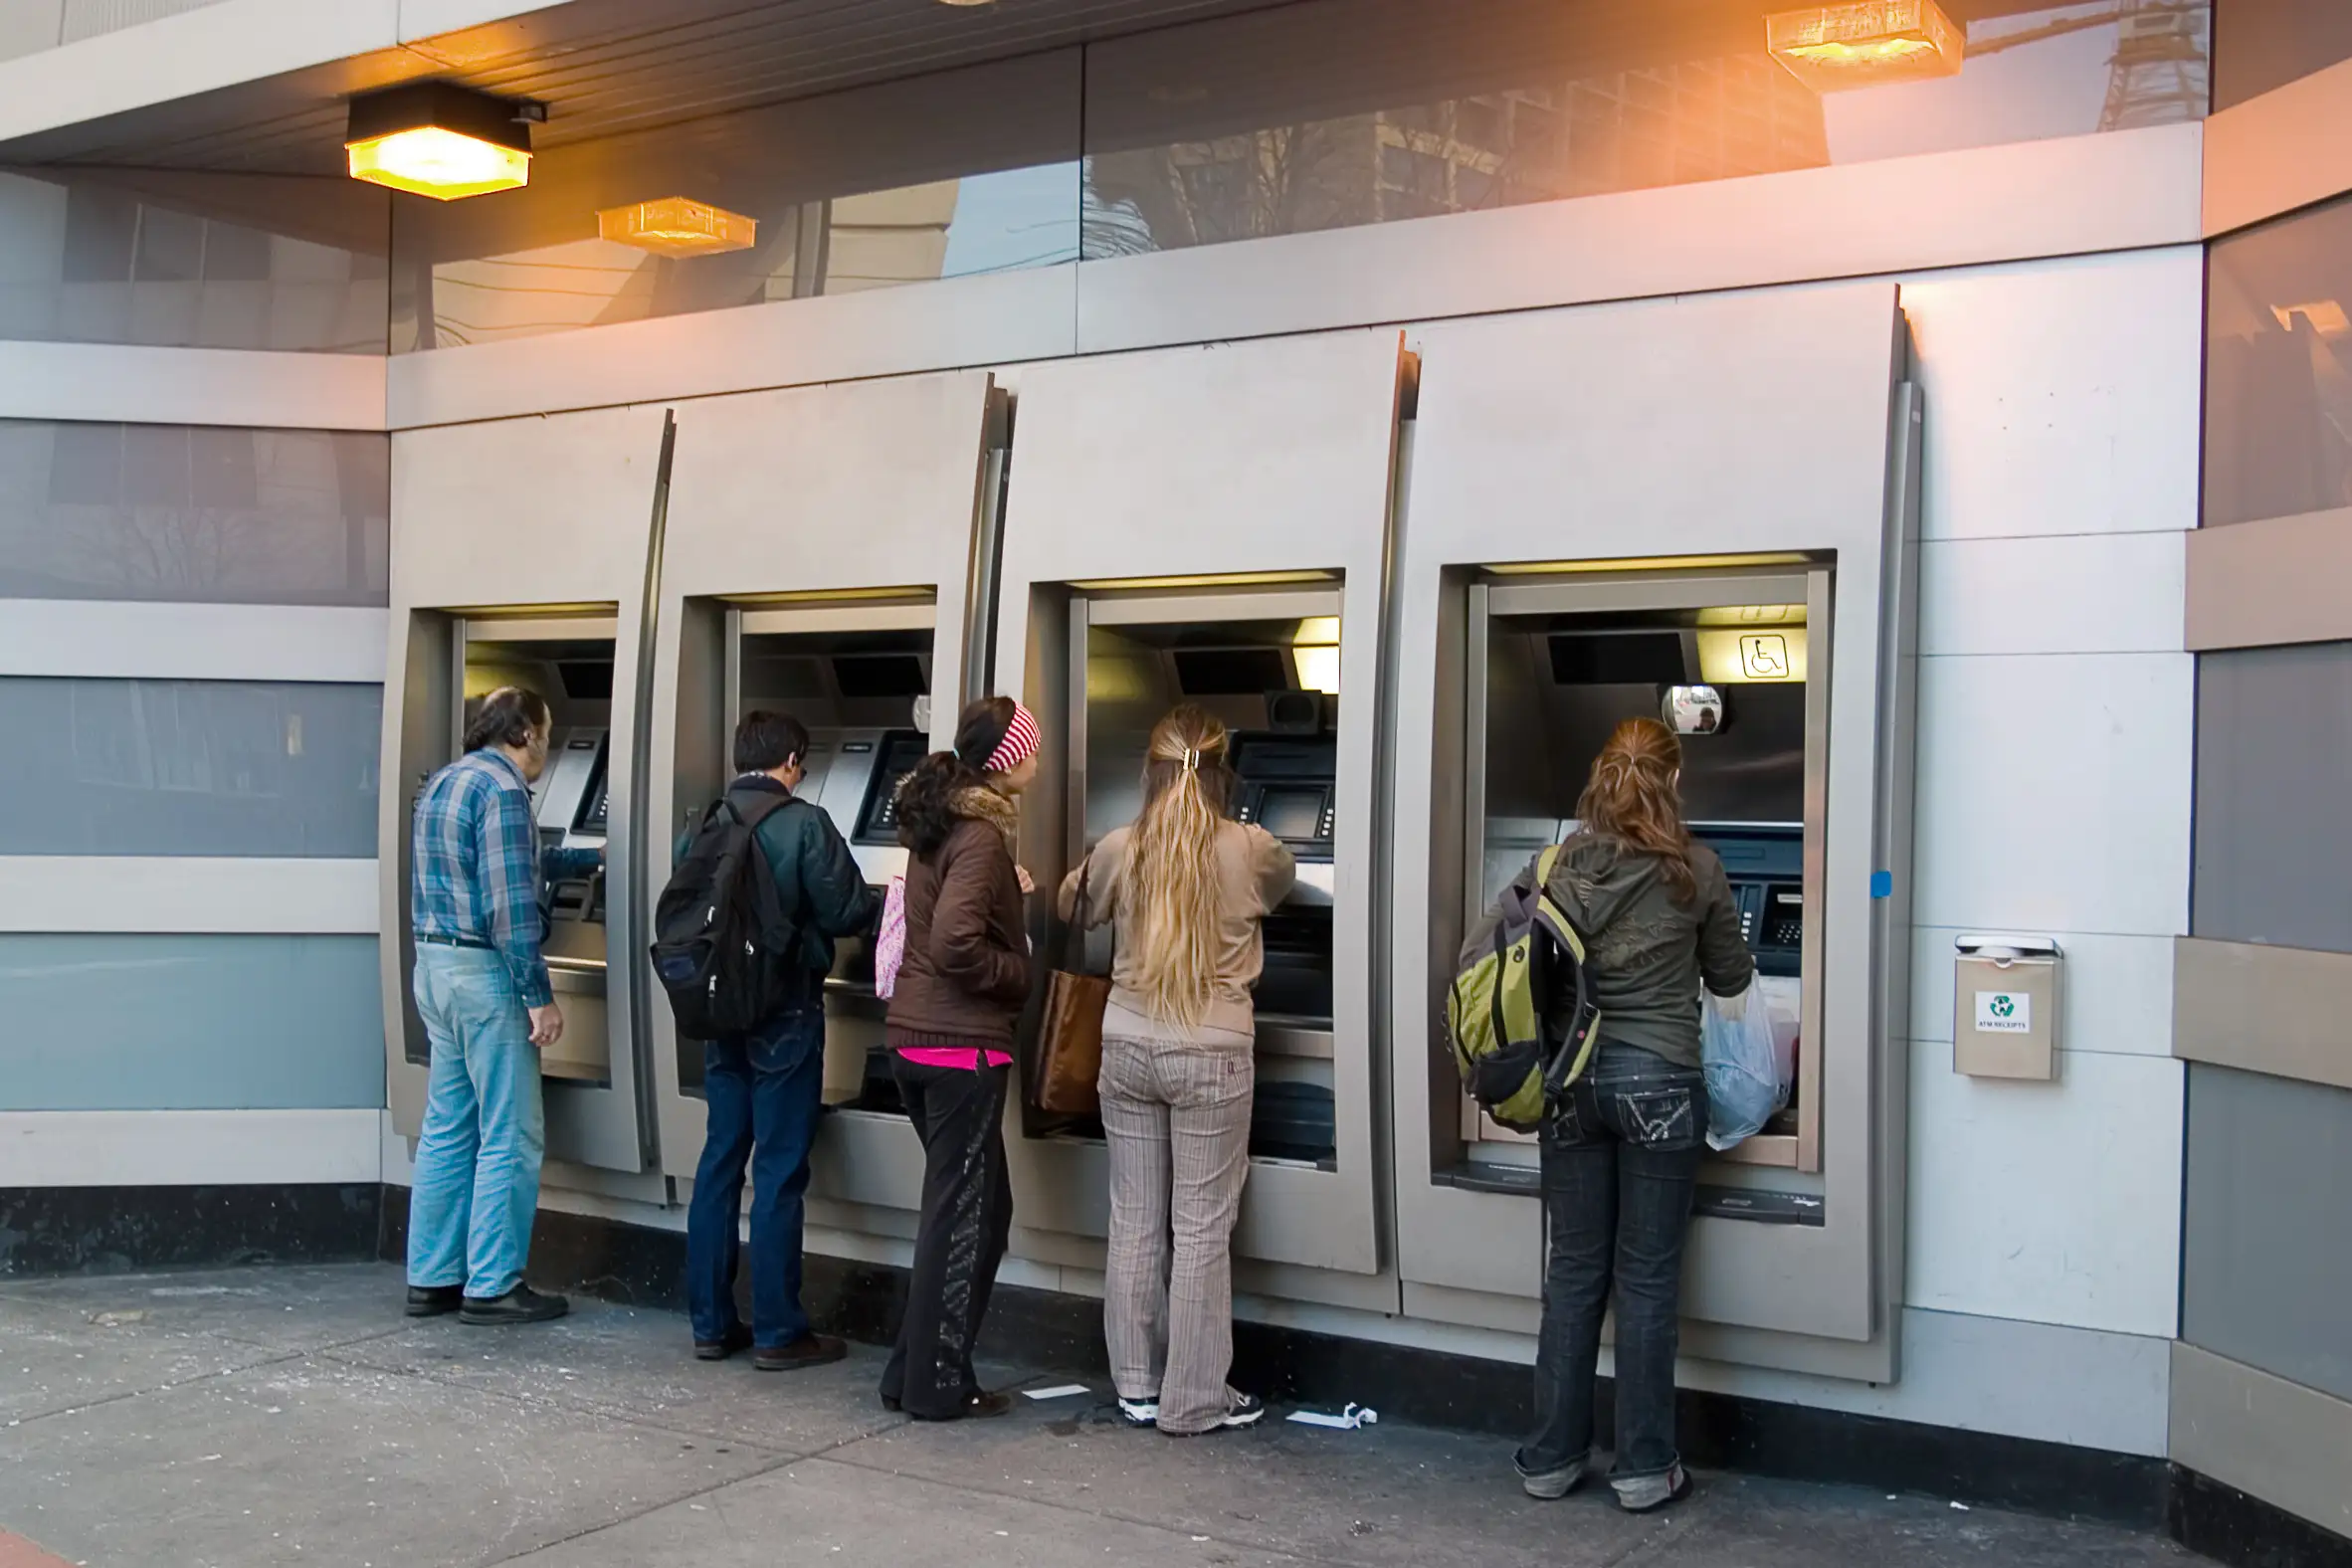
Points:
(1622, 1144)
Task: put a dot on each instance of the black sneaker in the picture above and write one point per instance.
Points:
(734, 1339)
(809, 1350)
(1242, 1410)
(522, 1304)
(978, 1405)
(432, 1300)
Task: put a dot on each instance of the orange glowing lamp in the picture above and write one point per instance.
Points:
(1866, 43)
(679, 225)
(436, 139)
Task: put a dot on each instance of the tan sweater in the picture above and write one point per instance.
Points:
(1254, 875)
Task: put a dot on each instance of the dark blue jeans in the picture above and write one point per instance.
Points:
(763, 1091)
(1621, 1159)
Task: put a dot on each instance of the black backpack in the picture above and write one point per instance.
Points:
(723, 947)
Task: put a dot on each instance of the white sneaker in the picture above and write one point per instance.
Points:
(1140, 1411)
(1649, 1494)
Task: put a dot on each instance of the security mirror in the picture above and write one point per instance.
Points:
(1694, 710)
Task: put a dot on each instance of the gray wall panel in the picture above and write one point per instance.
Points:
(2273, 752)
(2267, 1248)
(190, 1023)
(196, 516)
(188, 767)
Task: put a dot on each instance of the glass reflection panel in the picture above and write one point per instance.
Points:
(214, 516)
(1338, 112)
(2264, 44)
(188, 767)
(2278, 368)
(178, 259)
(190, 1023)
(942, 176)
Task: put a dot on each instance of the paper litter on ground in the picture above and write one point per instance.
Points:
(1058, 1391)
(1347, 1420)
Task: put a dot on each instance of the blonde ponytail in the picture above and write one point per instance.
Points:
(1168, 908)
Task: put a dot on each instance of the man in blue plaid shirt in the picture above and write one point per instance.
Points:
(481, 990)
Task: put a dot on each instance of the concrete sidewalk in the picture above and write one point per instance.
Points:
(285, 1416)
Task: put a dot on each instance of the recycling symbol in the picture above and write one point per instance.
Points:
(2003, 1006)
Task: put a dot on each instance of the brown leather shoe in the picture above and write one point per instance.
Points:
(809, 1350)
(738, 1338)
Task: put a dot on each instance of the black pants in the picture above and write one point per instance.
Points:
(967, 1217)
(1621, 1159)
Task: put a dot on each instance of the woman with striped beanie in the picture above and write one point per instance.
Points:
(962, 980)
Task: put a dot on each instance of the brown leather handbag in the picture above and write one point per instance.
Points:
(1069, 1057)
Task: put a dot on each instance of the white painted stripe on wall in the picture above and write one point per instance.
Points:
(420, 20)
(191, 895)
(192, 642)
(179, 57)
(188, 1148)
(135, 385)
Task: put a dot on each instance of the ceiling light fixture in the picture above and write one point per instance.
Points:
(436, 139)
(679, 225)
(1866, 43)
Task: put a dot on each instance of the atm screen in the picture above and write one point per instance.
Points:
(1292, 815)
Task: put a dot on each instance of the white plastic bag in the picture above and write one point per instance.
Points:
(890, 944)
(1744, 1088)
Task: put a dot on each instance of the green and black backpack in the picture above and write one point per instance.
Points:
(1495, 1012)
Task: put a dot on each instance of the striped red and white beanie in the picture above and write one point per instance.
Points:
(1021, 742)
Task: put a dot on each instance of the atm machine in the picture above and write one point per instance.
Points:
(1705, 511)
(828, 547)
(1554, 669)
(568, 661)
(1267, 666)
(866, 699)
(552, 516)
(1215, 524)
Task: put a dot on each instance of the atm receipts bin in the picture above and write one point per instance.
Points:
(2005, 1007)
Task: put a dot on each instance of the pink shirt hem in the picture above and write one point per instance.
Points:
(952, 1056)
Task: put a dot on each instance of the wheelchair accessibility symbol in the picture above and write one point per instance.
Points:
(1764, 657)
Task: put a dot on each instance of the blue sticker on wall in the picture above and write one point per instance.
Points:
(1882, 884)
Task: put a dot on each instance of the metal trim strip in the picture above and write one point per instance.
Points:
(2269, 582)
(2271, 1439)
(238, 388)
(2283, 149)
(2262, 1009)
(189, 895)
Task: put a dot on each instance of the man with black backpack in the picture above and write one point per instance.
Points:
(744, 935)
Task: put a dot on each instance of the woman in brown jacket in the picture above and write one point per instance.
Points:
(961, 985)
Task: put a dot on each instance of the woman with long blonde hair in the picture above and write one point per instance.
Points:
(1184, 889)
(1621, 1149)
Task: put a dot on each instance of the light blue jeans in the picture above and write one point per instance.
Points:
(477, 1184)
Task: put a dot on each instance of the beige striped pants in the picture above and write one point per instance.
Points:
(1177, 1117)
